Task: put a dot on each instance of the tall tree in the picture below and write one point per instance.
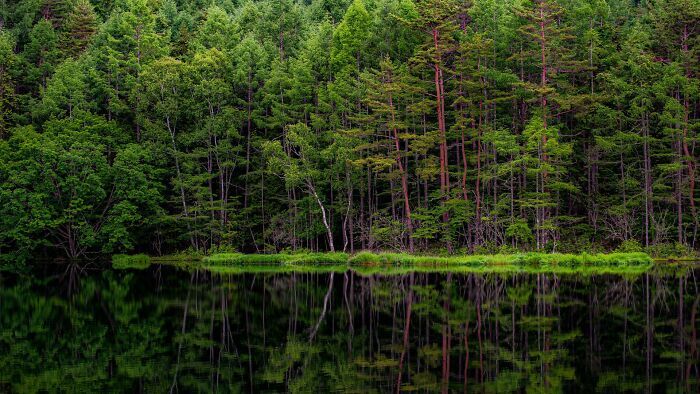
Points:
(8, 62)
(79, 28)
(436, 20)
(385, 95)
(551, 56)
(42, 54)
(300, 165)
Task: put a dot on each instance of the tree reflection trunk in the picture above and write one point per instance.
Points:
(325, 307)
(182, 334)
(406, 330)
(649, 333)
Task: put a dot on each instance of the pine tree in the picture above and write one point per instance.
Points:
(217, 31)
(677, 23)
(42, 55)
(435, 20)
(165, 104)
(79, 28)
(126, 43)
(64, 96)
(250, 63)
(349, 40)
(385, 90)
(8, 62)
(551, 56)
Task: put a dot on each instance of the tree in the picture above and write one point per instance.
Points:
(125, 44)
(385, 90)
(164, 101)
(79, 28)
(300, 164)
(42, 54)
(217, 31)
(250, 63)
(349, 40)
(677, 23)
(60, 187)
(435, 20)
(64, 95)
(214, 140)
(551, 56)
(8, 62)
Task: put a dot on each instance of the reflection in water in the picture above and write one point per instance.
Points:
(84, 329)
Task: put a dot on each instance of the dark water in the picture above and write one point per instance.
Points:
(76, 328)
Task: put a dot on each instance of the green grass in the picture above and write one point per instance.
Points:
(368, 263)
(178, 257)
(136, 261)
(520, 259)
(281, 258)
(396, 263)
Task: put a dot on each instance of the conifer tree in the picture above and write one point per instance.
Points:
(79, 28)
(42, 54)
(435, 20)
(552, 57)
(8, 62)
(385, 90)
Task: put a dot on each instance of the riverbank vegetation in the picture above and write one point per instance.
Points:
(138, 261)
(402, 262)
(437, 127)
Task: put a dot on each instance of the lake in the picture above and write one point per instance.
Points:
(87, 327)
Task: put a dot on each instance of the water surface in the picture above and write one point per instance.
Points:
(83, 327)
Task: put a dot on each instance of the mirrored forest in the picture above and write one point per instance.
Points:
(81, 328)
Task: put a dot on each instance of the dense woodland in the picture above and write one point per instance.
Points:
(426, 125)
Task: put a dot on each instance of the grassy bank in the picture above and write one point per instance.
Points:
(368, 259)
(368, 263)
(135, 261)
(276, 259)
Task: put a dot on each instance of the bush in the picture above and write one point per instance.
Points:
(630, 246)
(671, 251)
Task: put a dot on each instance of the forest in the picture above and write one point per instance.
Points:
(426, 126)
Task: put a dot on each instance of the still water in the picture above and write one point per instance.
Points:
(87, 328)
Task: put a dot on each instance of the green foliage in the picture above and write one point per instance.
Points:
(62, 187)
(8, 64)
(431, 126)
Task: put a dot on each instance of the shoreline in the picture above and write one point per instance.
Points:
(398, 263)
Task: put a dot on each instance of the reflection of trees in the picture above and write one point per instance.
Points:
(160, 329)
